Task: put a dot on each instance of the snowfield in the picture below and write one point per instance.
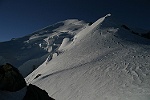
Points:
(103, 61)
(29, 52)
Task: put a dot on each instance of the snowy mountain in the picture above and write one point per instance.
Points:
(28, 52)
(78, 61)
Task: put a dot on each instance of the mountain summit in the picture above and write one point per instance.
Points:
(73, 60)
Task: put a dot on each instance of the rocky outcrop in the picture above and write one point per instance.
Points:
(10, 78)
(12, 81)
(35, 93)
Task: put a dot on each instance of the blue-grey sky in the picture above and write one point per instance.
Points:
(21, 17)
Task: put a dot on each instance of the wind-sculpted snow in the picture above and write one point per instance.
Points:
(102, 62)
(29, 52)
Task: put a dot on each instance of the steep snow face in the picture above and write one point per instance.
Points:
(103, 62)
(28, 52)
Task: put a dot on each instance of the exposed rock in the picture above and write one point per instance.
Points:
(11, 81)
(10, 78)
(35, 93)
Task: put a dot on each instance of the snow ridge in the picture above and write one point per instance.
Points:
(33, 50)
(99, 21)
(102, 61)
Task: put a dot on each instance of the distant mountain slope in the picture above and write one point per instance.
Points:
(28, 52)
(104, 61)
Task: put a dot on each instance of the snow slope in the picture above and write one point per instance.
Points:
(103, 62)
(28, 52)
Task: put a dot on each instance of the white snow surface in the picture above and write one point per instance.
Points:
(76, 61)
(29, 52)
(103, 62)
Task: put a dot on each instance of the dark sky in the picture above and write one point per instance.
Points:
(21, 17)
